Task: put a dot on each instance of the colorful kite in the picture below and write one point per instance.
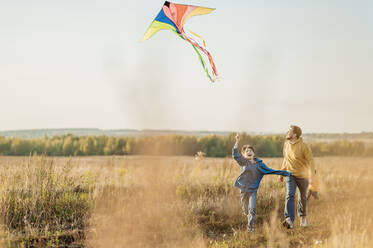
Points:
(173, 16)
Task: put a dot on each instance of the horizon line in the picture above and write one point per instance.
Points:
(168, 130)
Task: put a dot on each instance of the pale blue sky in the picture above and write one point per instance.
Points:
(66, 64)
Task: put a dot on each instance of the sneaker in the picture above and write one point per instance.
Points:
(288, 223)
(303, 221)
(250, 229)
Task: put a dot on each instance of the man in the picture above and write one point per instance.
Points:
(298, 160)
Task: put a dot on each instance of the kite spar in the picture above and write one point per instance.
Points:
(173, 16)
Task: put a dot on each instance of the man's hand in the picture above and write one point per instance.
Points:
(310, 180)
(280, 179)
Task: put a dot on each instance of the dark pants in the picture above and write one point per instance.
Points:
(292, 183)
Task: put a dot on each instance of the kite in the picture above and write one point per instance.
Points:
(173, 16)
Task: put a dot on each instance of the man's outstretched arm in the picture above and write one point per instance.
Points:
(283, 165)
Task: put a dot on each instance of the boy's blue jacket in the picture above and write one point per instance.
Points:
(251, 174)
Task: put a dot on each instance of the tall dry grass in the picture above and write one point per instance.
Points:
(182, 202)
(41, 203)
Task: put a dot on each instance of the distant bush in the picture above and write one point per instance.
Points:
(176, 145)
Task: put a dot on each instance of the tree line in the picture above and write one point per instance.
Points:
(179, 145)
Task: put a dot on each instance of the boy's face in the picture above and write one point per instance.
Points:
(249, 153)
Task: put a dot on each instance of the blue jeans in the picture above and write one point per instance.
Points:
(248, 200)
(292, 183)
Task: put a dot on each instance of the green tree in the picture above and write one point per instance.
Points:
(68, 146)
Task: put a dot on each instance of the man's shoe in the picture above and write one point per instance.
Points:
(288, 223)
(303, 221)
(250, 229)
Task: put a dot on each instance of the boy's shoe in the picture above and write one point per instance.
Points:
(250, 229)
(303, 221)
(288, 223)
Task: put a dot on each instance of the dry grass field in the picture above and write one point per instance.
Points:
(140, 201)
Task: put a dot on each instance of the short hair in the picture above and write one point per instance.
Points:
(297, 130)
(247, 146)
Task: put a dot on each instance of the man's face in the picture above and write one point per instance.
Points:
(290, 134)
(249, 153)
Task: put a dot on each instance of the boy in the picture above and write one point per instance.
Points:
(252, 171)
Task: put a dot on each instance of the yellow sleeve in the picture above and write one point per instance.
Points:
(309, 157)
(283, 166)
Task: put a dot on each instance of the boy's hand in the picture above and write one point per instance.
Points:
(237, 138)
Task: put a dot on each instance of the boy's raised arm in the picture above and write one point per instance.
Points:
(236, 155)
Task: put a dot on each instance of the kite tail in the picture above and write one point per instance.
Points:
(204, 66)
(195, 46)
(198, 36)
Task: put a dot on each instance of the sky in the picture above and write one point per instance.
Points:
(80, 64)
